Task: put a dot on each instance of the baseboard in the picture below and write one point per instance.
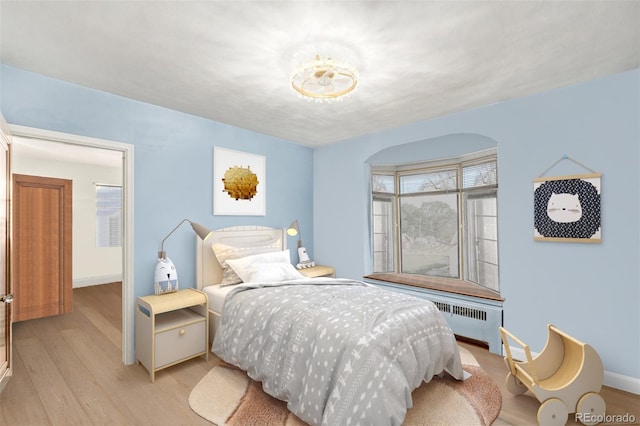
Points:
(89, 281)
(611, 379)
(622, 382)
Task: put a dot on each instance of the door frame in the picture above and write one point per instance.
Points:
(128, 350)
(6, 369)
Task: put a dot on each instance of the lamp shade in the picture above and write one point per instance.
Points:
(200, 230)
(293, 229)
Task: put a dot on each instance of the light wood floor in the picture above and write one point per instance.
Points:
(68, 371)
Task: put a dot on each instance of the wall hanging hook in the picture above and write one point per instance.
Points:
(565, 157)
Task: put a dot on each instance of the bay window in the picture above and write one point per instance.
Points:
(437, 219)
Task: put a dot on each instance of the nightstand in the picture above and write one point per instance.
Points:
(318, 271)
(171, 328)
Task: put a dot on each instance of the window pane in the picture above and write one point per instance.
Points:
(480, 175)
(383, 183)
(383, 236)
(429, 229)
(108, 216)
(481, 234)
(488, 251)
(429, 182)
(486, 227)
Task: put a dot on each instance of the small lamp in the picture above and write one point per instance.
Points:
(166, 277)
(303, 257)
(295, 230)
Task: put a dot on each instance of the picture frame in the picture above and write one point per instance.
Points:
(568, 208)
(239, 183)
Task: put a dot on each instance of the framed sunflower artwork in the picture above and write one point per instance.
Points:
(239, 186)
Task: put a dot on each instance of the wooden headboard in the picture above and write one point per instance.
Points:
(208, 270)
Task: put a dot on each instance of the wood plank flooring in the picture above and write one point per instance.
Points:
(68, 371)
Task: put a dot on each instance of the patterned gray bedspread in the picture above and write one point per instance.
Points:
(340, 352)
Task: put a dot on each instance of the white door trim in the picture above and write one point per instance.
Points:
(128, 350)
(6, 364)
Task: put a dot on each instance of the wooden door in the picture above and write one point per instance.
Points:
(41, 254)
(5, 283)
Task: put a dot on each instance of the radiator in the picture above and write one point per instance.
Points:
(471, 317)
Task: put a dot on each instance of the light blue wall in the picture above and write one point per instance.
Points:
(590, 290)
(173, 164)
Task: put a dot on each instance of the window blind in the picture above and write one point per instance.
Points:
(429, 182)
(481, 174)
(108, 216)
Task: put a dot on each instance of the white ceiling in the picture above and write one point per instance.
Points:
(230, 61)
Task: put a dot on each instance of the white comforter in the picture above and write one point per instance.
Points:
(340, 352)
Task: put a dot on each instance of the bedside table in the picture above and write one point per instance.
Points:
(318, 271)
(171, 328)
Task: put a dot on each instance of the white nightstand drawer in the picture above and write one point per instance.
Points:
(181, 342)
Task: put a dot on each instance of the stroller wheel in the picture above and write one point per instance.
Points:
(592, 407)
(514, 385)
(553, 412)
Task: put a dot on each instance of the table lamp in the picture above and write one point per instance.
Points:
(303, 257)
(166, 277)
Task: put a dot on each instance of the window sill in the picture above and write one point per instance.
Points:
(447, 285)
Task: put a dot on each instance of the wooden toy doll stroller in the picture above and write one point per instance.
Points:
(565, 377)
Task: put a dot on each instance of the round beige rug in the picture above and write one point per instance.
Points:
(227, 396)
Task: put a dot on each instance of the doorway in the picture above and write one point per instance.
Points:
(96, 150)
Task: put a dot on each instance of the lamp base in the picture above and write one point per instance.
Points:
(303, 257)
(166, 277)
(306, 264)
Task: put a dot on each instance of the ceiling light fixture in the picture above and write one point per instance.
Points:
(324, 79)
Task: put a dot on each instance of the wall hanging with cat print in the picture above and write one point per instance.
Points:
(567, 208)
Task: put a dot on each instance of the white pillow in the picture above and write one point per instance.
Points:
(225, 252)
(241, 265)
(272, 272)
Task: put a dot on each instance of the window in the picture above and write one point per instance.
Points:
(108, 216)
(437, 219)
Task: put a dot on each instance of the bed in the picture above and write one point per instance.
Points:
(339, 351)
